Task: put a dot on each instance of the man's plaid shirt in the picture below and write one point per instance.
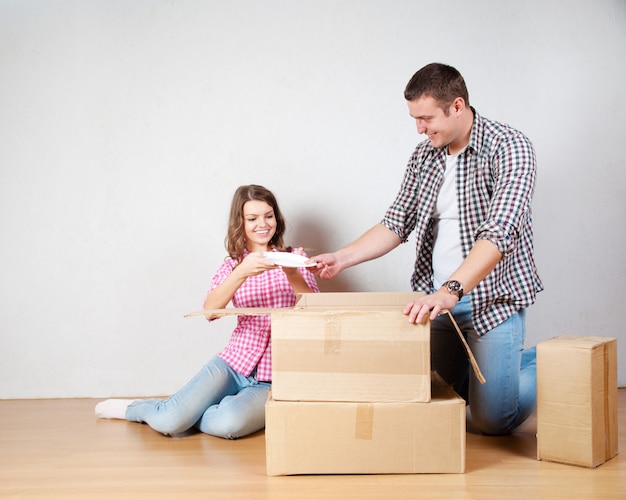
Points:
(495, 182)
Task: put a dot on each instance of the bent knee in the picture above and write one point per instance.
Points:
(169, 428)
(232, 428)
(169, 423)
(492, 426)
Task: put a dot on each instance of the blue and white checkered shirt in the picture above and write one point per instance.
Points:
(495, 183)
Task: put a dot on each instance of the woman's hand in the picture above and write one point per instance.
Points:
(293, 271)
(295, 278)
(253, 264)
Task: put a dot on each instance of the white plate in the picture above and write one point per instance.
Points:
(286, 259)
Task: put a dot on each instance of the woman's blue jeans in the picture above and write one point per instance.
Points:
(509, 395)
(217, 401)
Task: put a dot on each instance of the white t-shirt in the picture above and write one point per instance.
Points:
(447, 254)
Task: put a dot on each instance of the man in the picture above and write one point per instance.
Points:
(467, 193)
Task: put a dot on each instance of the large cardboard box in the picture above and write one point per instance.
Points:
(577, 400)
(350, 347)
(367, 438)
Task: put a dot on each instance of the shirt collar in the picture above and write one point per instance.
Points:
(478, 133)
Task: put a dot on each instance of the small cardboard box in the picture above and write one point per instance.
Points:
(577, 400)
(367, 438)
(350, 347)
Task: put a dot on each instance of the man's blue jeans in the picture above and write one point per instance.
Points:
(509, 395)
(217, 401)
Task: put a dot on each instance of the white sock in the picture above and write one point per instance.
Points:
(113, 408)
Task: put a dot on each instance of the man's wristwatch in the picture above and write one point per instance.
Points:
(454, 287)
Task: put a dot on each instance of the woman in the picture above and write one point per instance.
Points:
(227, 397)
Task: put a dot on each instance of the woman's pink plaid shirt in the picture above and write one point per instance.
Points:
(249, 345)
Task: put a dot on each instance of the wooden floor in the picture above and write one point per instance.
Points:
(58, 449)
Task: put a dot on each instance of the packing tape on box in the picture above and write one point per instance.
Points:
(608, 424)
(364, 424)
(332, 334)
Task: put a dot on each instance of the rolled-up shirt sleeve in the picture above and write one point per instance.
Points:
(413, 205)
(513, 174)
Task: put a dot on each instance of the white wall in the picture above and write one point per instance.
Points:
(126, 126)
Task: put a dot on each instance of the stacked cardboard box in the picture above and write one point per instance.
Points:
(349, 347)
(352, 391)
(577, 400)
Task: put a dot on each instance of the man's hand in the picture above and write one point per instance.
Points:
(328, 265)
(430, 305)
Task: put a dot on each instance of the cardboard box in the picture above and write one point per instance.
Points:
(577, 400)
(350, 347)
(367, 438)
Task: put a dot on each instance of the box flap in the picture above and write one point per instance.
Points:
(575, 341)
(355, 300)
(233, 311)
(334, 300)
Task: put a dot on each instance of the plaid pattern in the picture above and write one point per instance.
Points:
(495, 183)
(249, 345)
